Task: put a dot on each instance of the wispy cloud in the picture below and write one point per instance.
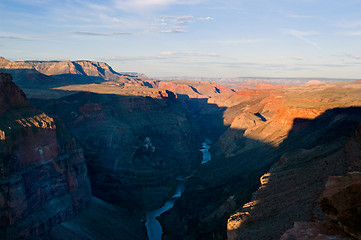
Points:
(350, 24)
(348, 56)
(172, 24)
(206, 18)
(169, 31)
(297, 58)
(165, 56)
(290, 15)
(303, 36)
(9, 37)
(353, 33)
(85, 33)
(141, 5)
(189, 54)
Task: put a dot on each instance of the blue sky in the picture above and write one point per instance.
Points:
(201, 38)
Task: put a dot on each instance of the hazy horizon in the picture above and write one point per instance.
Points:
(200, 38)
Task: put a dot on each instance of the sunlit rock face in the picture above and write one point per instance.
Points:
(43, 175)
(135, 146)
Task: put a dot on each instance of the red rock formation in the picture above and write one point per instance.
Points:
(43, 176)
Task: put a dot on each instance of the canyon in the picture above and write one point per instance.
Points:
(91, 151)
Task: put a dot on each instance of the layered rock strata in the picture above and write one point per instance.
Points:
(43, 175)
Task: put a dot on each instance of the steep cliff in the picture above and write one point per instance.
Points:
(43, 175)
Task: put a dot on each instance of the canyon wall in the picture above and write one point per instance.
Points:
(43, 175)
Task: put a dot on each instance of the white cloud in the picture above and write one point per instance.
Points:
(85, 33)
(142, 5)
(298, 16)
(172, 24)
(350, 24)
(206, 18)
(189, 54)
(302, 36)
(12, 37)
(353, 33)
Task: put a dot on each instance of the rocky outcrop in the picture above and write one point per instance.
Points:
(43, 175)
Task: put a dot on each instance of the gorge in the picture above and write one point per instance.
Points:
(154, 228)
(90, 153)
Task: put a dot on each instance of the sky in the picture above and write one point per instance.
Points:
(195, 38)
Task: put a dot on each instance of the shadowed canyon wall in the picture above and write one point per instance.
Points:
(135, 146)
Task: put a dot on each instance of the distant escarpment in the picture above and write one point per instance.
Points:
(45, 74)
(135, 146)
(43, 174)
(84, 71)
(267, 126)
(26, 76)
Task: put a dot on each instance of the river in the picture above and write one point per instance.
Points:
(154, 229)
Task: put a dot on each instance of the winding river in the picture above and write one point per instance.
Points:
(154, 229)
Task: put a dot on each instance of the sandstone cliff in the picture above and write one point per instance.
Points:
(43, 175)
